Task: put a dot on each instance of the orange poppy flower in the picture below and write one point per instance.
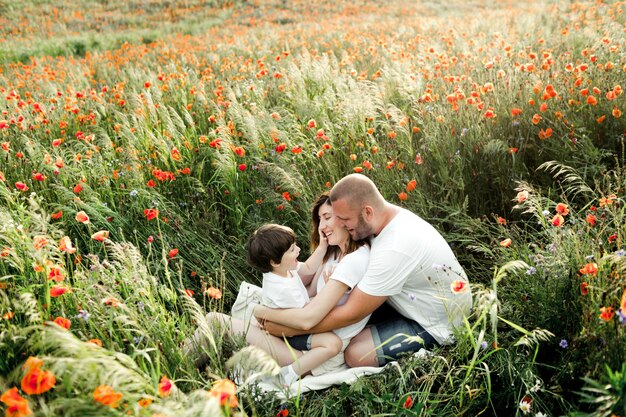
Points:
(403, 196)
(17, 406)
(590, 268)
(57, 215)
(36, 381)
(557, 220)
(56, 274)
(39, 242)
(58, 290)
(105, 395)
(591, 219)
(213, 293)
(82, 217)
(606, 313)
(562, 209)
(506, 242)
(516, 111)
(63, 322)
(101, 235)
(411, 185)
(224, 390)
(65, 245)
(172, 253)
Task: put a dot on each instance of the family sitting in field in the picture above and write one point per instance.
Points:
(380, 281)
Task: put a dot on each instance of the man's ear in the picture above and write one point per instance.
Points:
(368, 213)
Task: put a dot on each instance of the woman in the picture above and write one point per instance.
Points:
(343, 266)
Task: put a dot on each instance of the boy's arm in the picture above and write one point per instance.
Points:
(311, 265)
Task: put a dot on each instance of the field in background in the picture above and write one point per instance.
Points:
(143, 141)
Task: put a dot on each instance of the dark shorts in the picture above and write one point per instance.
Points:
(394, 334)
(302, 342)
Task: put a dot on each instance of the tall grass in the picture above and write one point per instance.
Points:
(223, 128)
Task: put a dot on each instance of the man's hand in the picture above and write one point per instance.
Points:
(279, 330)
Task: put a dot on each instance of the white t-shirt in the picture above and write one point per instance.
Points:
(412, 264)
(283, 292)
(349, 270)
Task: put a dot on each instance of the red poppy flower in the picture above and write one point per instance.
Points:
(172, 253)
(101, 235)
(58, 290)
(242, 167)
(57, 215)
(21, 186)
(151, 214)
(584, 290)
(37, 381)
(165, 386)
(408, 403)
(590, 268)
(606, 313)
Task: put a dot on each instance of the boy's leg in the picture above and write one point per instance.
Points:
(323, 347)
(384, 339)
(197, 345)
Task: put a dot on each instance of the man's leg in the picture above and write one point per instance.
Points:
(387, 335)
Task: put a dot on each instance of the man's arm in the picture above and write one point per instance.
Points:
(358, 305)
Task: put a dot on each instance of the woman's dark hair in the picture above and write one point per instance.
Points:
(352, 245)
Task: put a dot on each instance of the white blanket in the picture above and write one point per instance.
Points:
(250, 295)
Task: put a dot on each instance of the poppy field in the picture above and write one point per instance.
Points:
(141, 143)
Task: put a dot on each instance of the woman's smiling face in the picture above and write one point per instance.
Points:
(336, 235)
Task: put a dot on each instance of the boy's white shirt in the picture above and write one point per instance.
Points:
(284, 292)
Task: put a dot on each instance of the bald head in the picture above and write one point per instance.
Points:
(358, 191)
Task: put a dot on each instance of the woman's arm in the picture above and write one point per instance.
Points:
(308, 316)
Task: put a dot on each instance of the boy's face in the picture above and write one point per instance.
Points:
(290, 258)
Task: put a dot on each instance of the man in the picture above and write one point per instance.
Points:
(411, 267)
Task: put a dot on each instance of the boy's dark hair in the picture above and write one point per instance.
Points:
(269, 243)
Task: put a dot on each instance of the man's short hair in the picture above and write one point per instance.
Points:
(359, 190)
(268, 244)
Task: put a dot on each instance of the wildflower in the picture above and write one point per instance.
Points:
(367, 165)
(111, 301)
(311, 124)
(591, 268)
(224, 390)
(57, 215)
(296, 150)
(525, 404)
(101, 235)
(606, 313)
(56, 274)
(21, 186)
(516, 111)
(286, 196)
(39, 242)
(83, 315)
(105, 395)
(418, 159)
(522, 196)
(283, 413)
(403, 196)
(562, 209)
(151, 214)
(458, 286)
(408, 403)
(172, 253)
(584, 290)
(591, 219)
(63, 322)
(607, 201)
(213, 293)
(531, 271)
(563, 344)
(501, 220)
(58, 290)
(165, 386)
(78, 188)
(557, 220)
(411, 185)
(620, 252)
(65, 245)
(242, 167)
(36, 381)
(506, 243)
(484, 345)
(17, 406)
(82, 217)
(96, 342)
(144, 402)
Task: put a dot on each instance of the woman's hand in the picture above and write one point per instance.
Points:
(260, 312)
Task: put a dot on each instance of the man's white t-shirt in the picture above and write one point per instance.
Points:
(413, 265)
(284, 292)
(349, 270)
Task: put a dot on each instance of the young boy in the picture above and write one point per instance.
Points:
(272, 249)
